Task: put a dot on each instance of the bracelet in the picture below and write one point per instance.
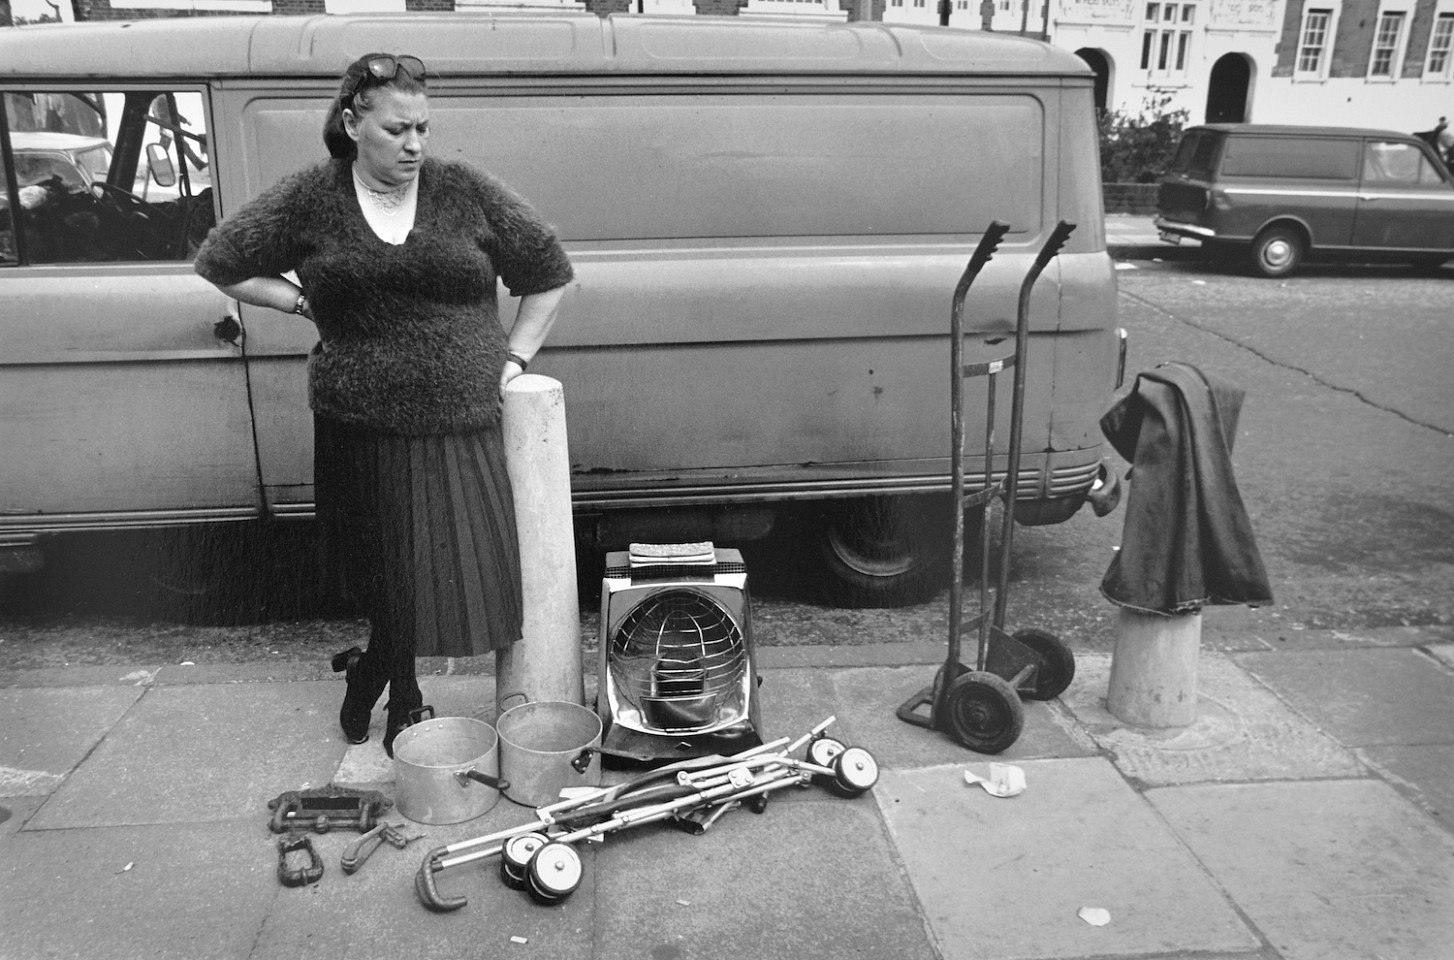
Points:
(300, 304)
(518, 360)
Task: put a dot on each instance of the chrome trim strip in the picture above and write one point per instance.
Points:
(19, 530)
(26, 529)
(1357, 194)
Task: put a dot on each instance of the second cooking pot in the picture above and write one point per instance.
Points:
(541, 744)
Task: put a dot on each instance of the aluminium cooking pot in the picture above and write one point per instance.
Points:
(541, 744)
(446, 770)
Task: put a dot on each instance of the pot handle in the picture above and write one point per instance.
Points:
(465, 776)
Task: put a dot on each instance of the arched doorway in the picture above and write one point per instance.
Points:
(1097, 61)
(1228, 88)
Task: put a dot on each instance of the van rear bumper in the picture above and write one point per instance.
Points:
(1180, 229)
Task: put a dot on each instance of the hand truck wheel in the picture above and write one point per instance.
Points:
(515, 858)
(854, 772)
(1057, 663)
(984, 711)
(554, 873)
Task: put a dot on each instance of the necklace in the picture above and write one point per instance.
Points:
(388, 200)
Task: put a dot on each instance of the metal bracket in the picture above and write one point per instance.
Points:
(327, 808)
(298, 876)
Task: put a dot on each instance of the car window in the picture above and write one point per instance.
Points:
(114, 174)
(1290, 157)
(1196, 154)
(1391, 164)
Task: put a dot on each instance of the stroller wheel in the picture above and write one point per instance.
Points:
(854, 772)
(1057, 663)
(554, 872)
(822, 751)
(985, 713)
(515, 858)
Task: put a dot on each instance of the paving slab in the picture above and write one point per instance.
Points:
(1444, 653)
(1363, 698)
(44, 733)
(1001, 879)
(1422, 774)
(1332, 870)
(1242, 731)
(202, 753)
(866, 700)
(183, 891)
(375, 914)
(817, 879)
(14, 812)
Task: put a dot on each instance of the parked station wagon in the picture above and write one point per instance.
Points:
(767, 221)
(1280, 194)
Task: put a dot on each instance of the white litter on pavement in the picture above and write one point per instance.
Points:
(1095, 916)
(1005, 780)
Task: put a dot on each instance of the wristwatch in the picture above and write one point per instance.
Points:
(518, 360)
(301, 304)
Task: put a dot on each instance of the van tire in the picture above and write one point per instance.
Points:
(1278, 251)
(883, 551)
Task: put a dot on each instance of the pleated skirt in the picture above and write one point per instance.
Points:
(422, 531)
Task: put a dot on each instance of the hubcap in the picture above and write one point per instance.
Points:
(1278, 253)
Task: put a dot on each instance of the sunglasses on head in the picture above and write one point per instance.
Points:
(384, 68)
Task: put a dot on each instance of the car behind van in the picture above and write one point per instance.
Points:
(767, 221)
(1278, 195)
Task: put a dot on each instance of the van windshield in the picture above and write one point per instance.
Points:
(1196, 154)
(1292, 157)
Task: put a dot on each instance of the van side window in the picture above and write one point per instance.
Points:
(1292, 157)
(110, 175)
(1398, 164)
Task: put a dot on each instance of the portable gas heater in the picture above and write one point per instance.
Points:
(676, 677)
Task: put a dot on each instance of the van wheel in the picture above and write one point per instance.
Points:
(885, 551)
(1277, 251)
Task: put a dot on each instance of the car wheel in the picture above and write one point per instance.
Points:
(883, 551)
(1277, 251)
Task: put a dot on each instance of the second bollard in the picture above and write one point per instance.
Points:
(546, 664)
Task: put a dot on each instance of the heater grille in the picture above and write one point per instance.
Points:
(679, 659)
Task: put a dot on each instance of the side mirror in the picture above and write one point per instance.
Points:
(159, 162)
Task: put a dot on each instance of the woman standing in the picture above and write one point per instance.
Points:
(398, 255)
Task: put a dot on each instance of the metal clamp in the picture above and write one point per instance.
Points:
(298, 876)
(327, 808)
(361, 849)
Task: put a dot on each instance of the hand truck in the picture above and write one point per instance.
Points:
(980, 707)
(539, 856)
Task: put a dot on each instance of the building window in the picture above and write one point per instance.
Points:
(1441, 43)
(1313, 49)
(1387, 44)
(1166, 38)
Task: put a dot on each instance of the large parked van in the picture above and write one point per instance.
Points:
(767, 221)
(1277, 195)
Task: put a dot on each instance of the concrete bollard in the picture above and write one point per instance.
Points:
(1154, 669)
(546, 664)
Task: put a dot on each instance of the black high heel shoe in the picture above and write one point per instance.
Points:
(403, 713)
(358, 702)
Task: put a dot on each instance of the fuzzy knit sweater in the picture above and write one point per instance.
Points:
(410, 335)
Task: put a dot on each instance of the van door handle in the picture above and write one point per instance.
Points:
(1367, 196)
(227, 329)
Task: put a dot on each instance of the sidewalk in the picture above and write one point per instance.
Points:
(1306, 815)
(1131, 237)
